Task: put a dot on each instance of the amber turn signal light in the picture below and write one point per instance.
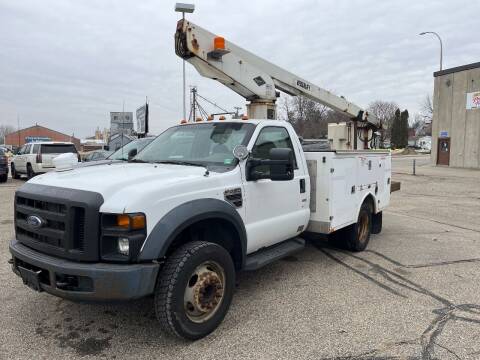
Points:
(134, 221)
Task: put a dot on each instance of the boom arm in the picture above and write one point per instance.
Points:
(252, 77)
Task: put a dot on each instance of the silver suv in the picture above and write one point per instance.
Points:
(36, 158)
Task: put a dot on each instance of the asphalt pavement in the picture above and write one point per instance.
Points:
(414, 294)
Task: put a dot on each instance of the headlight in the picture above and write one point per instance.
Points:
(123, 246)
(122, 236)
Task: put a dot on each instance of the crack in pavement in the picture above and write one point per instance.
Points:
(419, 266)
(429, 219)
(449, 311)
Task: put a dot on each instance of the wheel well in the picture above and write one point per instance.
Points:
(370, 200)
(215, 230)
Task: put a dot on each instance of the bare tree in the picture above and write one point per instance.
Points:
(385, 112)
(307, 117)
(426, 109)
(4, 131)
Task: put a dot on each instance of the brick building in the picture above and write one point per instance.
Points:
(38, 133)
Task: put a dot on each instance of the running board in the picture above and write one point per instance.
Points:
(273, 253)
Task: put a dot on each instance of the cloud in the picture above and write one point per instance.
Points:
(67, 64)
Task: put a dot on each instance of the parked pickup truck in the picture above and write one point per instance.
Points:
(199, 204)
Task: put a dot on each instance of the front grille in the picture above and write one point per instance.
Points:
(63, 222)
(55, 217)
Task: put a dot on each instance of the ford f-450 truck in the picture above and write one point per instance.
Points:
(199, 204)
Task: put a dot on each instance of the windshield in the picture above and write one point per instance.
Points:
(122, 153)
(202, 144)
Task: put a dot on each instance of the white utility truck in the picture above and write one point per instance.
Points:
(201, 202)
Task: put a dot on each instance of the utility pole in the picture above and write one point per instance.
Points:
(237, 109)
(18, 129)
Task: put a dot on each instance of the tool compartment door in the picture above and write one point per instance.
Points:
(343, 202)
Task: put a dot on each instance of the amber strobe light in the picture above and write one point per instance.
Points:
(219, 43)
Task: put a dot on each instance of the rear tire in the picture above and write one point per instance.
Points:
(358, 235)
(30, 172)
(194, 290)
(15, 175)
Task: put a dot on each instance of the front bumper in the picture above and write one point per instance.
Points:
(86, 281)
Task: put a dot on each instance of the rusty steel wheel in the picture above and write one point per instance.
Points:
(204, 291)
(363, 227)
(194, 289)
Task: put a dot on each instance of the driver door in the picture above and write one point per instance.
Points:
(274, 209)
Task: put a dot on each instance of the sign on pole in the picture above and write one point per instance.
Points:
(142, 119)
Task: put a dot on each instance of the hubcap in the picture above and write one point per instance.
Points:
(204, 291)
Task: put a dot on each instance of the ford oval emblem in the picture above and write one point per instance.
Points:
(35, 221)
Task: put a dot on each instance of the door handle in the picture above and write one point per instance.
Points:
(302, 186)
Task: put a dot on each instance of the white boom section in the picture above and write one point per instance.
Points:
(252, 77)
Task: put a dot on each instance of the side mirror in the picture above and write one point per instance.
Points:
(132, 153)
(280, 166)
(240, 152)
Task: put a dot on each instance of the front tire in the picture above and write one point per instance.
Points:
(194, 290)
(15, 175)
(3, 178)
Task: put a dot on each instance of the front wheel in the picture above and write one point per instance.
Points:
(194, 290)
(3, 178)
(15, 175)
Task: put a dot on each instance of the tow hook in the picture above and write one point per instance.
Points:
(10, 261)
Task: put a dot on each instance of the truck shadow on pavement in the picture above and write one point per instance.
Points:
(428, 344)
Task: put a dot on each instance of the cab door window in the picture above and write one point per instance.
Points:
(271, 137)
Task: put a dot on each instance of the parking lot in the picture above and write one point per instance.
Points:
(414, 294)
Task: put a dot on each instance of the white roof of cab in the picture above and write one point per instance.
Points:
(249, 121)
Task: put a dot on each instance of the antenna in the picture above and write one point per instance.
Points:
(18, 129)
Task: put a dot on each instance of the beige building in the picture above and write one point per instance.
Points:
(456, 117)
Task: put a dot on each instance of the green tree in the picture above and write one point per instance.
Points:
(396, 129)
(404, 128)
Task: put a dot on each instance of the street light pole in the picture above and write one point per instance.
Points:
(184, 85)
(184, 8)
(441, 45)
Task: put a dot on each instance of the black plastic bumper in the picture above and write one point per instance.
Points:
(85, 281)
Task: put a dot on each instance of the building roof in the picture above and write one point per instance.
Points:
(457, 69)
(43, 127)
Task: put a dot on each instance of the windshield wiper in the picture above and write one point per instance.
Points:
(136, 161)
(180, 162)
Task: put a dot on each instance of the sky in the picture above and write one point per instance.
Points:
(67, 64)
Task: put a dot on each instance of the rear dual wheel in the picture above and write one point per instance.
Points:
(356, 236)
(194, 290)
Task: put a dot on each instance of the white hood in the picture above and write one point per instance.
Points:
(111, 178)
